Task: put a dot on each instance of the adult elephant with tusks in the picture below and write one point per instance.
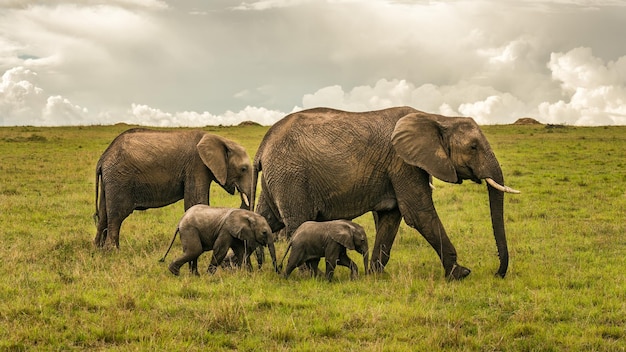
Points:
(324, 164)
(144, 169)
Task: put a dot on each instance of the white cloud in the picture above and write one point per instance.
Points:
(150, 4)
(485, 104)
(251, 59)
(262, 5)
(596, 91)
(24, 103)
(503, 108)
(19, 97)
(59, 110)
(145, 115)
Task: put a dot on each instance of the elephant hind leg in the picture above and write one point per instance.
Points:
(192, 249)
(114, 221)
(190, 257)
(294, 261)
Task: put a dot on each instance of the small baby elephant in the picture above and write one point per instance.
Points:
(330, 239)
(205, 228)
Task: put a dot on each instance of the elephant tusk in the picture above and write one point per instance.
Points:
(245, 199)
(499, 187)
(430, 182)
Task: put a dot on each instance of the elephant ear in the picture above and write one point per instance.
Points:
(419, 141)
(212, 151)
(344, 237)
(244, 229)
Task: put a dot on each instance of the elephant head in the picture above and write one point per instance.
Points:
(453, 150)
(255, 232)
(354, 238)
(229, 163)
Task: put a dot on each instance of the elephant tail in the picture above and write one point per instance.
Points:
(170, 247)
(280, 267)
(96, 215)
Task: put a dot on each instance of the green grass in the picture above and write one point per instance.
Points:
(565, 289)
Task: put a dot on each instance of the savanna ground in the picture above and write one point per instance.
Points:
(565, 290)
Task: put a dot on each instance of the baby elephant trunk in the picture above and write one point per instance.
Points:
(366, 260)
(272, 250)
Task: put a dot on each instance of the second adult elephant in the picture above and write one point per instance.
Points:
(324, 164)
(144, 169)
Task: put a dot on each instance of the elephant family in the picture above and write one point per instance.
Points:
(329, 239)
(325, 164)
(144, 169)
(205, 228)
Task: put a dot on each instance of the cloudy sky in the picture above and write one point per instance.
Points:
(197, 63)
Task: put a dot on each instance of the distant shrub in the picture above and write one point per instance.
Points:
(32, 138)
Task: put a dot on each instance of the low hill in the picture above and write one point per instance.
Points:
(527, 121)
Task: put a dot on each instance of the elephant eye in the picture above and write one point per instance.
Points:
(244, 168)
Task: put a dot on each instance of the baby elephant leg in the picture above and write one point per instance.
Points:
(293, 262)
(220, 249)
(331, 263)
(344, 260)
(188, 256)
(193, 267)
(312, 266)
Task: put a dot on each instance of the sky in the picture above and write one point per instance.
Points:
(221, 62)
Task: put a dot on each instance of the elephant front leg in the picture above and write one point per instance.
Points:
(193, 267)
(344, 260)
(331, 264)
(220, 249)
(387, 224)
(429, 225)
(312, 265)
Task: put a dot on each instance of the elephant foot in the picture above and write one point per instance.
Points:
(376, 267)
(457, 272)
(174, 269)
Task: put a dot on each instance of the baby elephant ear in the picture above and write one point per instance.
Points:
(343, 236)
(243, 229)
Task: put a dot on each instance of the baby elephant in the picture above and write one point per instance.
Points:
(330, 239)
(205, 228)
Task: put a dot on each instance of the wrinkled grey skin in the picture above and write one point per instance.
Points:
(205, 228)
(324, 164)
(144, 169)
(329, 239)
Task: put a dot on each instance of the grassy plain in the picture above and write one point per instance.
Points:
(565, 291)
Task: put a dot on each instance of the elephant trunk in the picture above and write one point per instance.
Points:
(496, 206)
(366, 259)
(272, 250)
